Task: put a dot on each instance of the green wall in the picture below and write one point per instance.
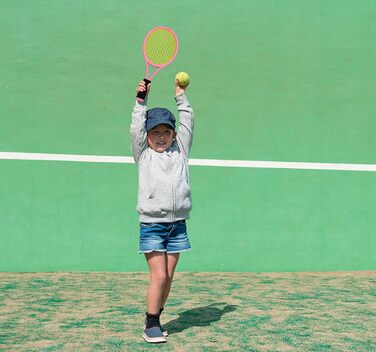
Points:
(271, 80)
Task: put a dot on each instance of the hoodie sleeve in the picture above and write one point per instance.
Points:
(138, 131)
(185, 132)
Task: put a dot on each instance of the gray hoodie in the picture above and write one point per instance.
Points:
(164, 193)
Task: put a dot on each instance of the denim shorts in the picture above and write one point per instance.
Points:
(164, 237)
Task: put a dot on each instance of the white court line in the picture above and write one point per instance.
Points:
(195, 162)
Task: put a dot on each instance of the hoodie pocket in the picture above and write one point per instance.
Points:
(159, 199)
(182, 193)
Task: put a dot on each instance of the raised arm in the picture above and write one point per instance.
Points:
(184, 135)
(137, 130)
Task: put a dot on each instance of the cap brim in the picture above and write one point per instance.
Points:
(160, 123)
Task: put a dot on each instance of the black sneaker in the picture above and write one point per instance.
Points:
(164, 332)
(154, 335)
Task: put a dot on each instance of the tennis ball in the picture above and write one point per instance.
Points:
(183, 79)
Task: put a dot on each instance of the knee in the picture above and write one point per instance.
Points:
(159, 278)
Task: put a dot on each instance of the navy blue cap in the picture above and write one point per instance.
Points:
(157, 116)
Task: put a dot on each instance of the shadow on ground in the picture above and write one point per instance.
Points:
(202, 316)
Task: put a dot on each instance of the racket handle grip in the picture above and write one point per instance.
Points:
(142, 95)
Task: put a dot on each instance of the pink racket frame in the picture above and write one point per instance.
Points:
(147, 62)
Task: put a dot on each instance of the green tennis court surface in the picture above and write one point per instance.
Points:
(289, 81)
(205, 312)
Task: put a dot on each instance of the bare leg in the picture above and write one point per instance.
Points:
(171, 262)
(158, 277)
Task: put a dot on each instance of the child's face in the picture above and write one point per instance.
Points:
(161, 137)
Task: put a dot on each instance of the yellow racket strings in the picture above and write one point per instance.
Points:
(160, 47)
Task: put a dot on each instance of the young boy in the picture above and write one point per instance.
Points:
(164, 197)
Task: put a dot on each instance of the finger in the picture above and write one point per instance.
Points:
(142, 84)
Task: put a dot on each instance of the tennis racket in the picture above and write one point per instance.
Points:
(160, 49)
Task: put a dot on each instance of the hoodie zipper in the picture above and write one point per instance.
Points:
(172, 191)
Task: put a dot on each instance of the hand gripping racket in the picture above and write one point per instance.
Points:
(160, 49)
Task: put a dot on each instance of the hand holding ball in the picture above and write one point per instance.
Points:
(183, 79)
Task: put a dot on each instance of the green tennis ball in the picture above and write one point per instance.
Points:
(183, 79)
